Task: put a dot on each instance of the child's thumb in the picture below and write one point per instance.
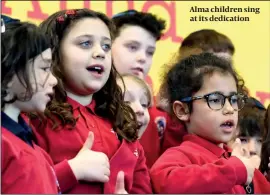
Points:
(89, 141)
(120, 183)
(236, 147)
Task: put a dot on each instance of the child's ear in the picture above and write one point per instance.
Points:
(181, 111)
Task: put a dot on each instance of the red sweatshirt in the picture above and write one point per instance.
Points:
(25, 167)
(153, 135)
(173, 136)
(198, 166)
(63, 144)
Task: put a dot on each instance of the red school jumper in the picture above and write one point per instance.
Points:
(154, 141)
(151, 139)
(25, 167)
(64, 144)
(173, 136)
(199, 166)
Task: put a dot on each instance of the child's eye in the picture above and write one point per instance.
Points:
(216, 100)
(243, 140)
(132, 47)
(106, 47)
(234, 100)
(259, 140)
(144, 105)
(127, 102)
(46, 69)
(85, 44)
(150, 53)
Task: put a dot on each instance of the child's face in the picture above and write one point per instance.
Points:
(86, 54)
(42, 82)
(211, 124)
(137, 99)
(133, 51)
(253, 144)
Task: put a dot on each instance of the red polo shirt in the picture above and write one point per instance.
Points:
(63, 144)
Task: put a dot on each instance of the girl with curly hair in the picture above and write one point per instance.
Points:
(89, 132)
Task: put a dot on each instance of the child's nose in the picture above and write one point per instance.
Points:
(252, 147)
(138, 109)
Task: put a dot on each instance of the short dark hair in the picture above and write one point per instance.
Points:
(251, 119)
(147, 21)
(20, 43)
(207, 40)
(8, 19)
(186, 76)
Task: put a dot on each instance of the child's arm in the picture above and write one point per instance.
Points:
(174, 173)
(141, 177)
(69, 172)
(87, 165)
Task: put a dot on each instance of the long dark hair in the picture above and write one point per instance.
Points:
(21, 42)
(109, 100)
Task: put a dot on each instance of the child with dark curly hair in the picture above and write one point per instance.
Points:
(90, 133)
(203, 93)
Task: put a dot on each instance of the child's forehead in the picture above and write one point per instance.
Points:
(130, 31)
(217, 81)
(132, 84)
(84, 26)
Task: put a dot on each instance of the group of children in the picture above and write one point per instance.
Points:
(78, 115)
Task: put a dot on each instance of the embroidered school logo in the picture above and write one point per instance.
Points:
(161, 125)
(136, 153)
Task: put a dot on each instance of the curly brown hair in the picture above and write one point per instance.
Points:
(265, 152)
(109, 100)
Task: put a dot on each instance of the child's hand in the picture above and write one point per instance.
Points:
(249, 162)
(89, 165)
(120, 183)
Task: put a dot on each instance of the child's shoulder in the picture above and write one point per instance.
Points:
(187, 147)
(16, 149)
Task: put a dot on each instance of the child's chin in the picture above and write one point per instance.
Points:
(141, 132)
(40, 109)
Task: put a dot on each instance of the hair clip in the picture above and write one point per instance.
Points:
(60, 19)
(129, 12)
(8, 19)
(258, 104)
(70, 12)
(3, 27)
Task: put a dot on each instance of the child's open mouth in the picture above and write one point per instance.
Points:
(95, 69)
(228, 126)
